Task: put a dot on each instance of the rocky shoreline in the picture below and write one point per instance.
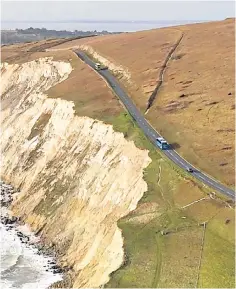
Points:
(10, 222)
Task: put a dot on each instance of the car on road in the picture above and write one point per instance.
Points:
(162, 143)
(99, 66)
(190, 170)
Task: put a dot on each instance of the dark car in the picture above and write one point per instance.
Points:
(104, 68)
(190, 170)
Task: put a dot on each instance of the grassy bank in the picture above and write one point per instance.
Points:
(163, 239)
(160, 234)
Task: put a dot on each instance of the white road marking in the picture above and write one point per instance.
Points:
(207, 179)
(177, 159)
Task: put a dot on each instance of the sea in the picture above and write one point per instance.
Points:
(111, 26)
(22, 266)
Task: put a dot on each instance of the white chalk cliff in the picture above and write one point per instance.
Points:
(76, 175)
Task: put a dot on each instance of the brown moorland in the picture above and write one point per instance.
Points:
(96, 101)
(197, 98)
(20, 52)
(140, 54)
(170, 203)
(195, 106)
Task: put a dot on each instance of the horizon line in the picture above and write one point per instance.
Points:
(103, 21)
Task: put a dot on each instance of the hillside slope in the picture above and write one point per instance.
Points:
(80, 178)
(198, 86)
(77, 176)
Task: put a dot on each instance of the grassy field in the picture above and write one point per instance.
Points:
(164, 242)
(195, 107)
(86, 89)
(123, 49)
(197, 99)
(218, 264)
(22, 52)
(214, 272)
(161, 234)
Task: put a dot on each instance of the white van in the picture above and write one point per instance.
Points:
(98, 66)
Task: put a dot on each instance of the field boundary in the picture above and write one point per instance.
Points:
(162, 71)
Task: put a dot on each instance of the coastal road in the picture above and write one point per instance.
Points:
(151, 133)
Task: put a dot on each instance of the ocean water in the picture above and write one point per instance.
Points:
(21, 266)
(99, 26)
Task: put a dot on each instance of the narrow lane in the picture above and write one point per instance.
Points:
(151, 133)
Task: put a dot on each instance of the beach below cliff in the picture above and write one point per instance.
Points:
(23, 265)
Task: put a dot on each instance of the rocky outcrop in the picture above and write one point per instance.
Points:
(77, 177)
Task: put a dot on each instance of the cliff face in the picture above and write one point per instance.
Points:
(76, 175)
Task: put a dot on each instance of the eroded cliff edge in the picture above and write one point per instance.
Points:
(76, 175)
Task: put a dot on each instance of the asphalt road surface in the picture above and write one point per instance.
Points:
(151, 133)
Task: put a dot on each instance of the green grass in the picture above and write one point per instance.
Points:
(143, 242)
(141, 263)
(155, 242)
(218, 266)
(181, 254)
(152, 259)
(162, 246)
(225, 231)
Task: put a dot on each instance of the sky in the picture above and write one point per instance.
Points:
(44, 11)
